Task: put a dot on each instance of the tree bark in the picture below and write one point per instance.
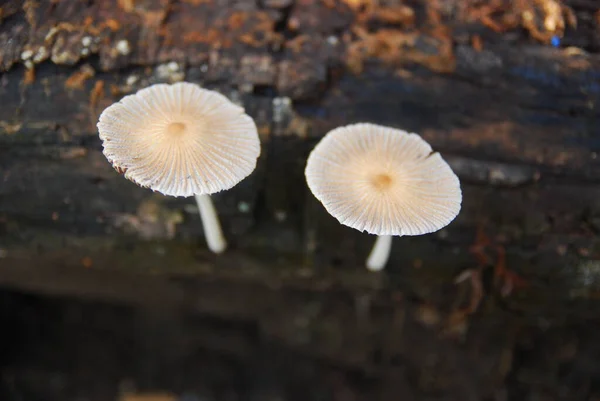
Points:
(466, 313)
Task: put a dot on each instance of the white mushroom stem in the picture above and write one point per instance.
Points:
(210, 221)
(380, 253)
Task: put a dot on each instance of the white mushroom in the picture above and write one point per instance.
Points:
(181, 140)
(384, 181)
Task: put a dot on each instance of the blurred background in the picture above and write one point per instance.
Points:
(108, 291)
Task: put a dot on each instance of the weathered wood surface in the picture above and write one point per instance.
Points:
(517, 118)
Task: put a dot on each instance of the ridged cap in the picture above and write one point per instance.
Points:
(180, 139)
(383, 180)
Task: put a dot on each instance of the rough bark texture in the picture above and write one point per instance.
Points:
(106, 283)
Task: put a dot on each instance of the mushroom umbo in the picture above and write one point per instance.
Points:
(182, 140)
(384, 181)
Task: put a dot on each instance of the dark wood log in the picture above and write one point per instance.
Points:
(517, 118)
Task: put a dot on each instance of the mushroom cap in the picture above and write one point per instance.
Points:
(383, 180)
(180, 139)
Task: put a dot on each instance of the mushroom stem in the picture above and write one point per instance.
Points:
(380, 253)
(210, 222)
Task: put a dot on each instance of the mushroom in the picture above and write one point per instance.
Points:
(384, 181)
(181, 140)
